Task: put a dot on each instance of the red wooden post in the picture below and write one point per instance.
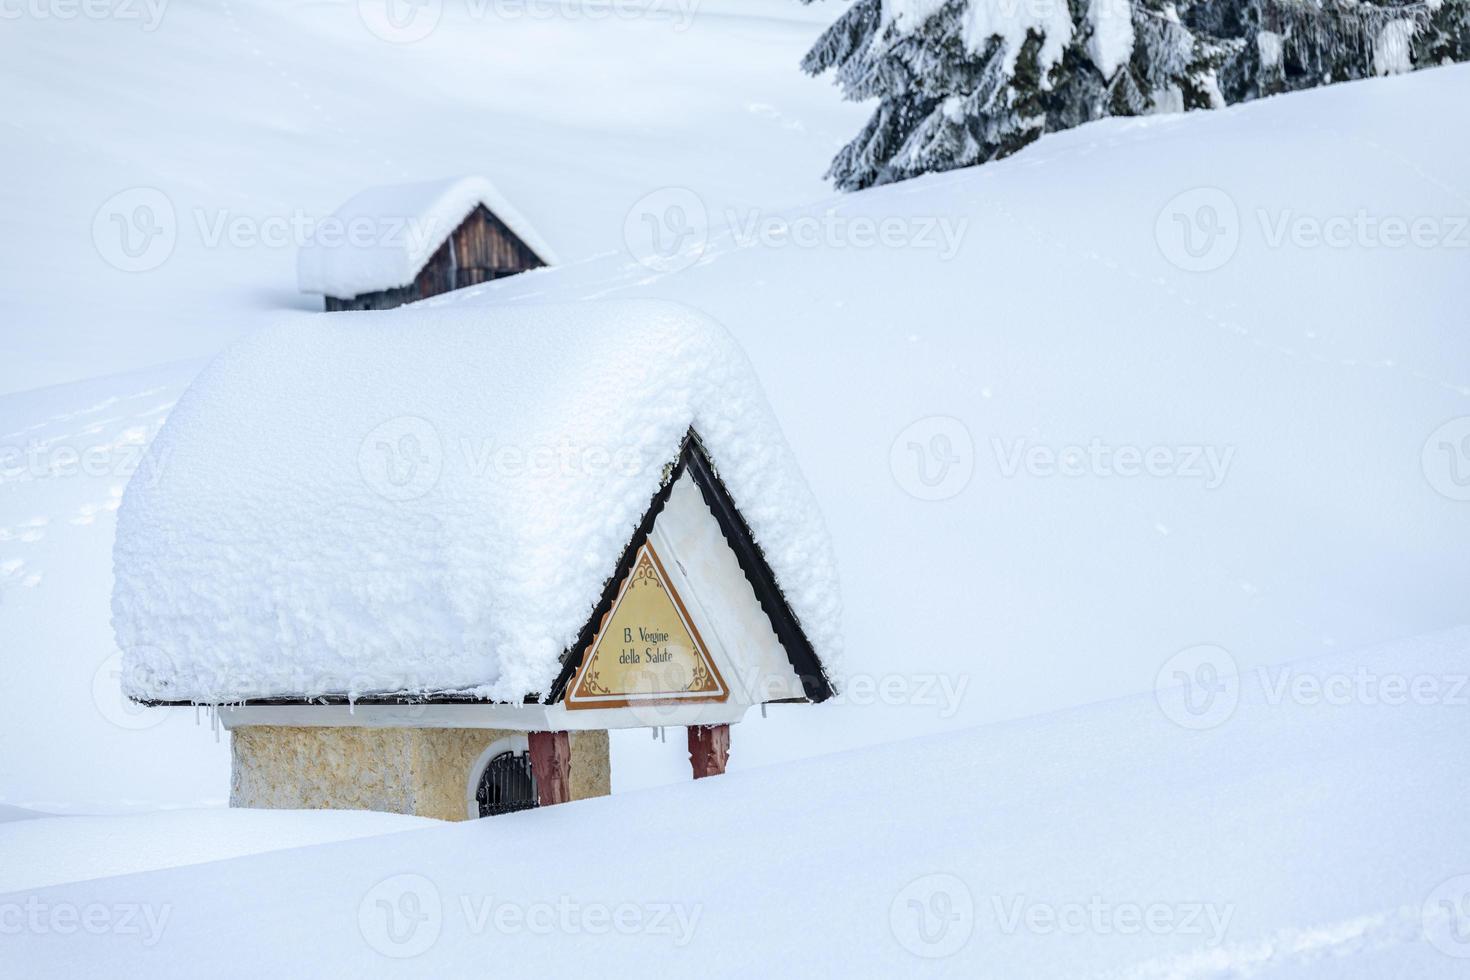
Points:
(709, 749)
(551, 763)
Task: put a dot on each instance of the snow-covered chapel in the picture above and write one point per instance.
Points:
(433, 585)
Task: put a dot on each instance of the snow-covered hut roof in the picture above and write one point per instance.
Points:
(431, 500)
(381, 237)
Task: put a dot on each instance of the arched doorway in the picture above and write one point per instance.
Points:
(506, 784)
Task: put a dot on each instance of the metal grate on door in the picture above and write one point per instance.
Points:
(506, 785)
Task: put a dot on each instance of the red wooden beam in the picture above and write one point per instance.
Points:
(709, 749)
(551, 763)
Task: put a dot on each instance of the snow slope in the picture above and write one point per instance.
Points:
(1292, 838)
(241, 126)
(1303, 397)
(1049, 299)
(69, 740)
(47, 850)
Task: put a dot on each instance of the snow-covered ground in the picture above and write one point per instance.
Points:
(1292, 399)
(1279, 834)
(254, 121)
(42, 850)
(1244, 331)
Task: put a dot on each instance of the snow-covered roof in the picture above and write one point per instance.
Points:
(381, 237)
(443, 514)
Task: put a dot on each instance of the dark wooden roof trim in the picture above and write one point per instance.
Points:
(804, 659)
(695, 461)
(571, 658)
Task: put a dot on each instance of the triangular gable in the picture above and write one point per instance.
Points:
(648, 649)
(693, 461)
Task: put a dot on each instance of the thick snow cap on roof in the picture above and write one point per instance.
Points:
(432, 499)
(381, 238)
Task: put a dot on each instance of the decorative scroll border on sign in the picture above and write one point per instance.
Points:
(721, 691)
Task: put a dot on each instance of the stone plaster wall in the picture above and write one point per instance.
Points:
(423, 771)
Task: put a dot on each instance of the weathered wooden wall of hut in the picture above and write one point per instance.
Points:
(482, 248)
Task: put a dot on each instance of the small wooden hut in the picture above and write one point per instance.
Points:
(395, 244)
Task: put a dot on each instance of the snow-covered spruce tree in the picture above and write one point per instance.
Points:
(1444, 38)
(1299, 44)
(961, 82)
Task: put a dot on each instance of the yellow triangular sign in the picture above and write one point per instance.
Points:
(647, 650)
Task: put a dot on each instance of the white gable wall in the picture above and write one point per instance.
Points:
(707, 575)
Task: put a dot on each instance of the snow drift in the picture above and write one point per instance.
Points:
(1302, 835)
(42, 849)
